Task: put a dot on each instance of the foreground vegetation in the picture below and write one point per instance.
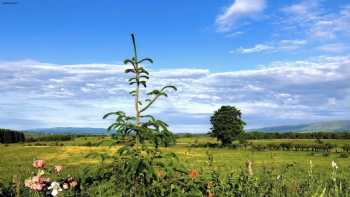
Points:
(225, 162)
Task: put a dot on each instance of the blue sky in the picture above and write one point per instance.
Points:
(279, 61)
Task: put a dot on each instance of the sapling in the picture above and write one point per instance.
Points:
(137, 168)
(141, 126)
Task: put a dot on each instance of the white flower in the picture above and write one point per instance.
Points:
(334, 165)
(55, 188)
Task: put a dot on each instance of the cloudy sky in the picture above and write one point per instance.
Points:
(280, 62)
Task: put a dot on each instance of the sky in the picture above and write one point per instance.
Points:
(279, 62)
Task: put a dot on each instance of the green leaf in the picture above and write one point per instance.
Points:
(143, 83)
(169, 87)
(146, 60)
(112, 113)
(132, 79)
(144, 76)
(132, 92)
(129, 70)
(143, 70)
(128, 61)
(112, 126)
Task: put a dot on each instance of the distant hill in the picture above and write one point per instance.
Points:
(69, 130)
(328, 126)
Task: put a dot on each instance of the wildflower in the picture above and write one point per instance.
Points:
(41, 172)
(36, 183)
(55, 187)
(70, 179)
(65, 186)
(334, 165)
(37, 187)
(209, 194)
(58, 169)
(73, 184)
(161, 174)
(249, 169)
(39, 164)
(193, 173)
(38, 179)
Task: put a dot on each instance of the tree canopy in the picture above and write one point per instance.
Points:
(227, 124)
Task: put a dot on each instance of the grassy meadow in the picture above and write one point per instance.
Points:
(16, 159)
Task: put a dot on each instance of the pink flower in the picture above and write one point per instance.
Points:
(37, 187)
(38, 179)
(28, 183)
(39, 164)
(73, 184)
(36, 183)
(58, 169)
(65, 186)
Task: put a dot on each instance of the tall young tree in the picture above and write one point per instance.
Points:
(135, 165)
(142, 126)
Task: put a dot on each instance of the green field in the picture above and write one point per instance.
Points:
(16, 159)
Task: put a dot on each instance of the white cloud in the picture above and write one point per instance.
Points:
(256, 49)
(283, 45)
(290, 44)
(38, 94)
(237, 10)
(310, 17)
(306, 10)
(334, 47)
(234, 34)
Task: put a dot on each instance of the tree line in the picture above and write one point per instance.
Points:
(294, 147)
(50, 138)
(292, 135)
(11, 136)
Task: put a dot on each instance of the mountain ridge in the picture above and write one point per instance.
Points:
(69, 130)
(324, 126)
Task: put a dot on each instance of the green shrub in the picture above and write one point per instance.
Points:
(326, 154)
(344, 155)
(51, 138)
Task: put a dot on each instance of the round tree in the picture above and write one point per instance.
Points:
(227, 124)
